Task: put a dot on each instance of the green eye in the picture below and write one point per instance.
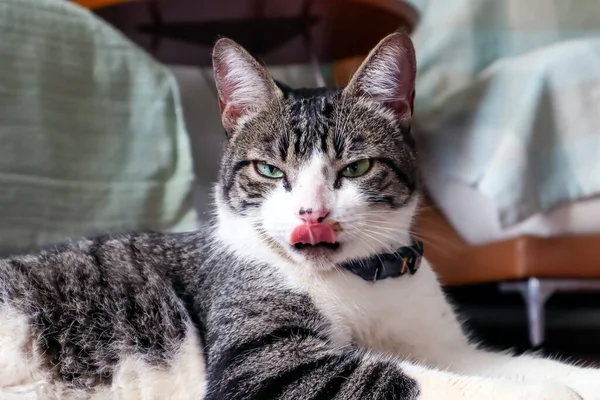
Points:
(356, 169)
(268, 170)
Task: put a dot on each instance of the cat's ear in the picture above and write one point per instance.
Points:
(387, 76)
(244, 86)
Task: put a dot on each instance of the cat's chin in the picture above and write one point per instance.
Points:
(321, 256)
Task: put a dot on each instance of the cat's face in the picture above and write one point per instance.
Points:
(318, 176)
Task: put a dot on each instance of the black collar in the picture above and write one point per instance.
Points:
(389, 265)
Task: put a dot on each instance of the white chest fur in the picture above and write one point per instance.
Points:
(407, 316)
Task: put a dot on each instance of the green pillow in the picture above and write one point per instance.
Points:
(92, 137)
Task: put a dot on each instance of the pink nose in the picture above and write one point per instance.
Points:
(310, 215)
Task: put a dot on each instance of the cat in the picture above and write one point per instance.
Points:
(294, 291)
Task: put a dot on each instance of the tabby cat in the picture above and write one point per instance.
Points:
(305, 286)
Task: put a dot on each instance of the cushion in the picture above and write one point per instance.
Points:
(91, 130)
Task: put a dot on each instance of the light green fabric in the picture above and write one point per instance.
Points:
(91, 133)
(508, 93)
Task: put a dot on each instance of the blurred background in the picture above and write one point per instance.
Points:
(109, 122)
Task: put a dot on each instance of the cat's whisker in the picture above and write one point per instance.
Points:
(427, 239)
(373, 250)
(379, 225)
(392, 247)
(377, 232)
(389, 230)
(373, 213)
(387, 247)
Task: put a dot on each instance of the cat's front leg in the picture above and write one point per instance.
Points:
(435, 338)
(438, 385)
(585, 381)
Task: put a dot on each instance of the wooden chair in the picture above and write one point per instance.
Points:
(535, 267)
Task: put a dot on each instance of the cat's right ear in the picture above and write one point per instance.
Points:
(244, 86)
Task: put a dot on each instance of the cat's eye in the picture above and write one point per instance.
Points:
(268, 170)
(356, 169)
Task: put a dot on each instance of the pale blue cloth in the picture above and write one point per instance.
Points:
(508, 99)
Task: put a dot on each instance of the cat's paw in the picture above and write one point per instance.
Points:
(547, 391)
(586, 383)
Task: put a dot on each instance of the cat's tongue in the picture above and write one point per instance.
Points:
(312, 234)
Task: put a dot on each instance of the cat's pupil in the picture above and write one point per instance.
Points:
(353, 167)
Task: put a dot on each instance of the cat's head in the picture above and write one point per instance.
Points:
(317, 176)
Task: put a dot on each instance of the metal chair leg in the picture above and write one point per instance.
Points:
(535, 298)
(535, 293)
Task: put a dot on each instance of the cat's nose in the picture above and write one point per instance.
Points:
(312, 215)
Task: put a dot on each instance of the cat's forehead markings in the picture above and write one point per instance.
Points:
(324, 169)
(284, 146)
(339, 144)
(310, 111)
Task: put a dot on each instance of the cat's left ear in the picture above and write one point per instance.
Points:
(387, 76)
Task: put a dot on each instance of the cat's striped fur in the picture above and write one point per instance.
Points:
(92, 304)
(233, 311)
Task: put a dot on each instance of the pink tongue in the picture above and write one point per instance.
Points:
(312, 234)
